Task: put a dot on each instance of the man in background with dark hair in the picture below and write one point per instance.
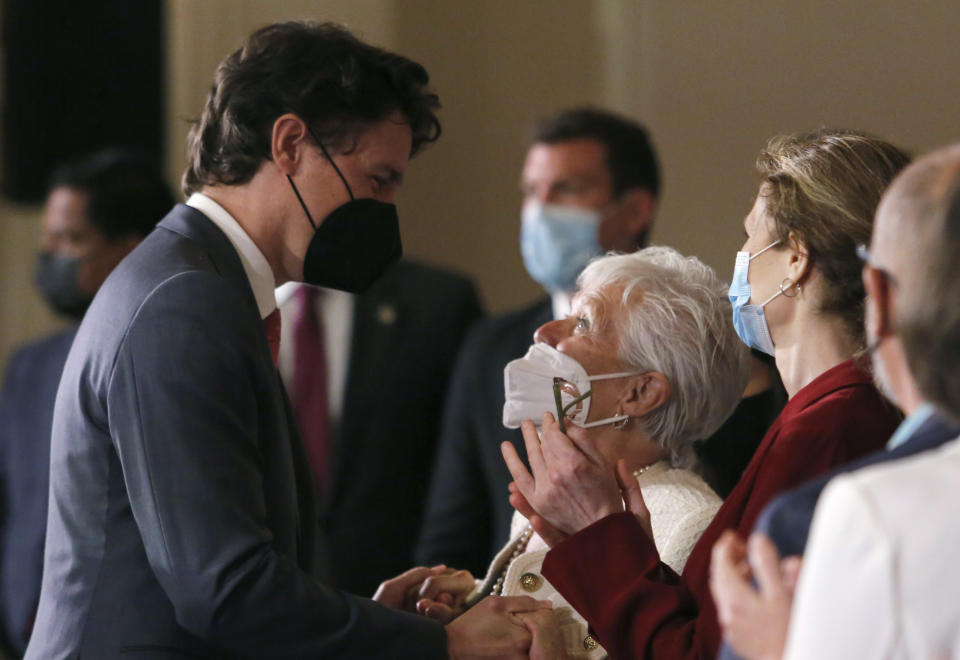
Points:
(98, 208)
(590, 184)
(183, 519)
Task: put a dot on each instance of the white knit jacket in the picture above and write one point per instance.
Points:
(681, 506)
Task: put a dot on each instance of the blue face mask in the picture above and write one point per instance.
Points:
(557, 242)
(749, 320)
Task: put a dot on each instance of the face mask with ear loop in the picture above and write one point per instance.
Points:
(354, 244)
(749, 321)
(546, 380)
(56, 277)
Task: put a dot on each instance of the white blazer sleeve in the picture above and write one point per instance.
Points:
(844, 606)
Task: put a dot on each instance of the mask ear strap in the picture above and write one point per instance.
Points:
(336, 169)
(302, 204)
(752, 256)
(619, 374)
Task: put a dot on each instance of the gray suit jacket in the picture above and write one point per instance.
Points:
(182, 521)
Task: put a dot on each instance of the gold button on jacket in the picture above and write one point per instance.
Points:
(530, 582)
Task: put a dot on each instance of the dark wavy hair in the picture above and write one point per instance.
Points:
(318, 71)
(126, 194)
(631, 158)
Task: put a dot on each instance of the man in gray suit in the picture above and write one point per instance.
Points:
(182, 521)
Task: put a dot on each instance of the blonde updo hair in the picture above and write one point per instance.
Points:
(824, 187)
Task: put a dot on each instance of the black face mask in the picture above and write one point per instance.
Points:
(56, 277)
(354, 244)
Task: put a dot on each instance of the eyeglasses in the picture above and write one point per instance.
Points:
(562, 410)
(864, 253)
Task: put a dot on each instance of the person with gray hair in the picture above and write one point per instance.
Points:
(647, 363)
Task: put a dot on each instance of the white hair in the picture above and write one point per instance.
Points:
(678, 323)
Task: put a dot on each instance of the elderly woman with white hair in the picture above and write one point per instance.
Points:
(647, 363)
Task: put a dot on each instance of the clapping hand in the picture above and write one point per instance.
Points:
(569, 485)
(754, 620)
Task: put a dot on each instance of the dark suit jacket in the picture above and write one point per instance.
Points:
(407, 330)
(787, 519)
(468, 515)
(26, 416)
(182, 514)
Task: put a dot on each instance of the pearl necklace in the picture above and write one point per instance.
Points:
(524, 539)
(639, 471)
(518, 549)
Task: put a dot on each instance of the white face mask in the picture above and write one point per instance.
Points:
(529, 387)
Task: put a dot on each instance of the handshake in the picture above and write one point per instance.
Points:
(495, 627)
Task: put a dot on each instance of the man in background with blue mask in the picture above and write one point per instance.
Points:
(99, 207)
(590, 184)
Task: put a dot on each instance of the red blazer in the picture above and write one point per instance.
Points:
(637, 606)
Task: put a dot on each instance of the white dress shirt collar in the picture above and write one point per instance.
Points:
(255, 265)
(560, 301)
(910, 425)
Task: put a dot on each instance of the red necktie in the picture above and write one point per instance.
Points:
(272, 326)
(310, 384)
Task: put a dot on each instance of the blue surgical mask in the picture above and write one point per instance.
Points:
(557, 242)
(749, 320)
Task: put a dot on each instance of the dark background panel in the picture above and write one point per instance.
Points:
(78, 75)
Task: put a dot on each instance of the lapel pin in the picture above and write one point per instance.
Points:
(386, 314)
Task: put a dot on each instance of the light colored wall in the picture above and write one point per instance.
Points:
(712, 79)
(23, 314)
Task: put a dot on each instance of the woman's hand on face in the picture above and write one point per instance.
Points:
(570, 486)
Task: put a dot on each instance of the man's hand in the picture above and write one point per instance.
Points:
(754, 621)
(403, 591)
(570, 488)
(547, 642)
(441, 597)
(492, 629)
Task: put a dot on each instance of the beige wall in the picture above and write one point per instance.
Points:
(712, 79)
(715, 78)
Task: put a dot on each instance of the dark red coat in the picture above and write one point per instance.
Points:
(638, 608)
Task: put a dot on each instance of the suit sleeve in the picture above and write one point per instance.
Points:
(635, 604)
(6, 417)
(183, 414)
